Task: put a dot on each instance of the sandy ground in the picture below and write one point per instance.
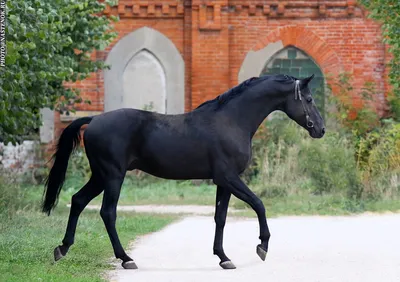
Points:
(358, 248)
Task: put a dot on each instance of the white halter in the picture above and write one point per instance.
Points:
(297, 96)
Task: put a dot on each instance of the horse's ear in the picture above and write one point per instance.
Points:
(307, 80)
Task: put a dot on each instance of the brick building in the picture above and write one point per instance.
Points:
(195, 50)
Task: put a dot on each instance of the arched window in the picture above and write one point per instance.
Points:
(292, 61)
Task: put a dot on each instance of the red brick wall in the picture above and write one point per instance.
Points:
(215, 36)
(338, 39)
(210, 51)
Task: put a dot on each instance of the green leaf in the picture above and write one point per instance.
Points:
(14, 19)
(31, 45)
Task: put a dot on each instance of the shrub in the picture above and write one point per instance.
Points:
(379, 151)
(288, 161)
(331, 165)
(345, 115)
(378, 157)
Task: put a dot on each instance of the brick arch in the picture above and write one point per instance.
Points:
(302, 38)
(309, 42)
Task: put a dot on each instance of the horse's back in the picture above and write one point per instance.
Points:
(113, 124)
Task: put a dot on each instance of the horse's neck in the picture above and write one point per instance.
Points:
(250, 113)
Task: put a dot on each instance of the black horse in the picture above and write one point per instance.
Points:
(211, 142)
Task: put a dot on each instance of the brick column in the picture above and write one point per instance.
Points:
(210, 50)
(187, 53)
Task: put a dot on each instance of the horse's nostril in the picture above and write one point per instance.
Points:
(323, 130)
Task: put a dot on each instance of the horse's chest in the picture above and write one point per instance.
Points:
(241, 157)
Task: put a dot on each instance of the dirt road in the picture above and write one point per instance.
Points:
(360, 248)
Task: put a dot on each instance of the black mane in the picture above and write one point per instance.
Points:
(239, 89)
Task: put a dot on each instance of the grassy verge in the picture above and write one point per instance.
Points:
(155, 192)
(28, 238)
(299, 203)
(318, 205)
(169, 192)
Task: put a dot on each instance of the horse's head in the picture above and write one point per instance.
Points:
(301, 108)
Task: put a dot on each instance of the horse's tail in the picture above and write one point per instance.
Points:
(69, 140)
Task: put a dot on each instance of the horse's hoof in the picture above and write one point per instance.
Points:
(227, 265)
(129, 265)
(57, 254)
(261, 252)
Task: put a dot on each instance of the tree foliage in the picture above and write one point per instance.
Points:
(48, 43)
(388, 13)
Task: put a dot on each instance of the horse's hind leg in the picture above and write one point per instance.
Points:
(108, 213)
(78, 203)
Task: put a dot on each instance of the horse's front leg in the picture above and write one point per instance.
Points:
(236, 186)
(221, 209)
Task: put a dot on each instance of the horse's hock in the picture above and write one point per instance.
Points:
(173, 55)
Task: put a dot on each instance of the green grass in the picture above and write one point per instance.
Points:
(28, 238)
(169, 192)
(307, 204)
(144, 192)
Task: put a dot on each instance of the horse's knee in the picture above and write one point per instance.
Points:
(107, 214)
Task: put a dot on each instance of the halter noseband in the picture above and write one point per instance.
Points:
(297, 96)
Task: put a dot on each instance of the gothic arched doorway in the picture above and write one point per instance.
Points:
(147, 72)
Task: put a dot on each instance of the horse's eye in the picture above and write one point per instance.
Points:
(309, 99)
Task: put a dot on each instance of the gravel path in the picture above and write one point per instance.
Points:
(360, 248)
(166, 209)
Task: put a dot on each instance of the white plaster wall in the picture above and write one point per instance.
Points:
(19, 157)
(144, 83)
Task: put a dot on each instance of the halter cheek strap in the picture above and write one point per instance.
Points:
(297, 96)
(297, 91)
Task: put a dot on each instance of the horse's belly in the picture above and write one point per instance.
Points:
(178, 174)
(176, 169)
(180, 160)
